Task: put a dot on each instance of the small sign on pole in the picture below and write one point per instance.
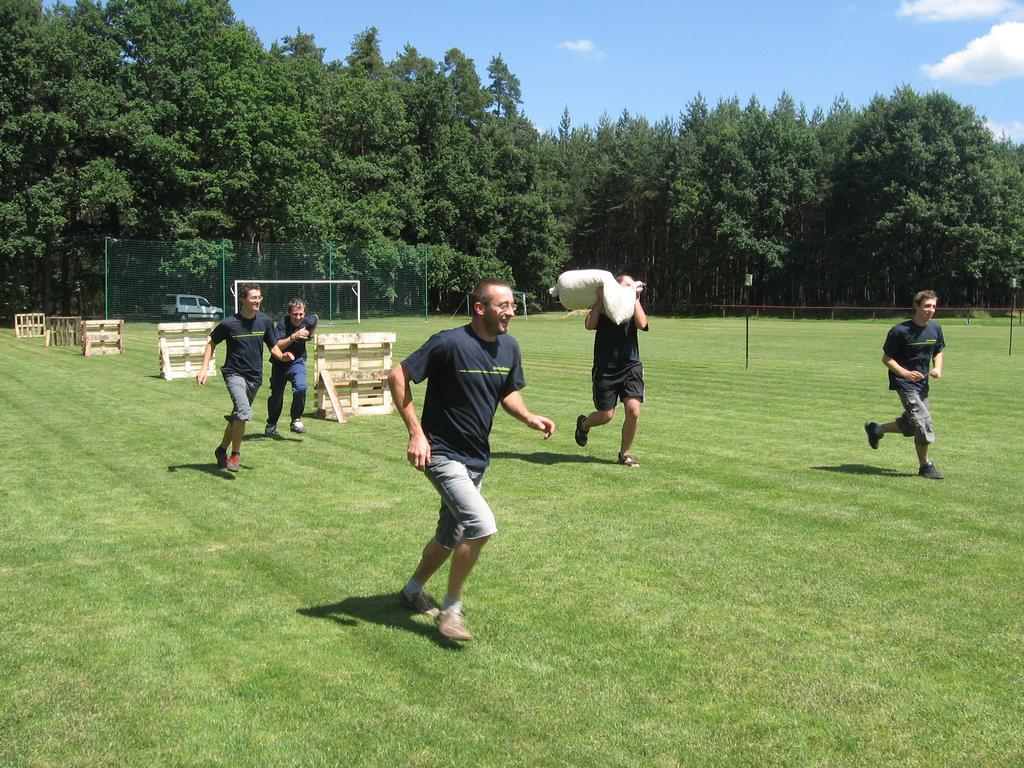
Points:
(748, 280)
(1013, 308)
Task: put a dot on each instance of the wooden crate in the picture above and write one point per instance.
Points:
(29, 325)
(181, 347)
(102, 337)
(351, 374)
(62, 331)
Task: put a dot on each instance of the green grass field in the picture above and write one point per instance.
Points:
(764, 591)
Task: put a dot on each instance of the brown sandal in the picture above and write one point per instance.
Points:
(627, 460)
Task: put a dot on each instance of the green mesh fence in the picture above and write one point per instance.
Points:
(142, 275)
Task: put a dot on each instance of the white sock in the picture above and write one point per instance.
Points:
(452, 604)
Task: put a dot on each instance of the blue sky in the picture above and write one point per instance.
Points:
(652, 57)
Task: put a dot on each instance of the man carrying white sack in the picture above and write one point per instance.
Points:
(618, 373)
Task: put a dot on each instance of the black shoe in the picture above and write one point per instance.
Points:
(418, 603)
(270, 430)
(873, 436)
(928, 470)
(581, 433)
(222, 457)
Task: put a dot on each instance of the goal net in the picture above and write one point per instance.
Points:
(330, 300)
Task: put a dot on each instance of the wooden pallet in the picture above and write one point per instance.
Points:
(62, 331)
(352, 374)
(181, 347)
(102, 337)
(29, 325)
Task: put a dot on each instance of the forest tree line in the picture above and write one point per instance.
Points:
(168, 120)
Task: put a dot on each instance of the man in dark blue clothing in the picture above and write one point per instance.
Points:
(617, 374)
(469, 371)
(288, 364)
(913, 353)
(246, 332)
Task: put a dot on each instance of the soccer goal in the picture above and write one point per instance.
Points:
(320, 296)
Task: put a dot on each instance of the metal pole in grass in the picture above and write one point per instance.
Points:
(748, 280)
(107, 279)
(224, 276)
(1013, 308)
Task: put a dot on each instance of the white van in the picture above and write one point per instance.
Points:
(187, 306)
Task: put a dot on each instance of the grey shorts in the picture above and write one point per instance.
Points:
(464, 513)
(916, 419)
(242, 392)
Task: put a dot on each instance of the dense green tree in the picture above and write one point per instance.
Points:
(471, 99)
(915, 201)
(506, 93)
(365, 58)
(168, 120)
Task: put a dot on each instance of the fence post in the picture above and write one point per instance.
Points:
(106, 280)
(223, 277)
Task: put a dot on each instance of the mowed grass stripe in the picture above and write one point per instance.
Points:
(765, 590)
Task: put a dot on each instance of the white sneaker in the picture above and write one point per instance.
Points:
(452, 625)
(298, 426)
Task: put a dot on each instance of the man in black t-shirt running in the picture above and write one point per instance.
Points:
(913, 353)
(469, 371)
(617, 374)
(246, 332)
(288, 364)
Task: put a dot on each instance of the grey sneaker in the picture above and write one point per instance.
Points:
(928, 470)
(270, 430)
(298, 426)
(452, 625)
(873, 437)
(419, 603)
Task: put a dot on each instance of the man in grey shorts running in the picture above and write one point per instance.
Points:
(913, 354)
(246, 333)
(469, 371)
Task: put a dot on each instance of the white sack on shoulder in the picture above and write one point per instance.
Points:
(577, 289)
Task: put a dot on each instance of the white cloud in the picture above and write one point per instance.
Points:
(955, 10)
(1014, 130)
(996, 56)
(583, 48)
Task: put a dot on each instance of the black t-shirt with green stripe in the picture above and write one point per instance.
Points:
(245, 340)
(467, 378)
(913, 346)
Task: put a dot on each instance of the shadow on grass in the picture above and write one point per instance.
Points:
(379, 609)
(258, 434)
(209, 468)
(546, 457)
(278, 438)
(864, 469)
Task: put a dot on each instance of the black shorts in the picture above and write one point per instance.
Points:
(612, 386)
